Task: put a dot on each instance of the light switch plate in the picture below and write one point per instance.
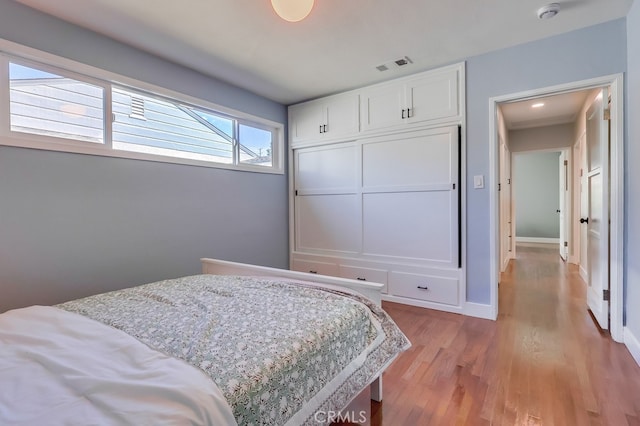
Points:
(478, 181)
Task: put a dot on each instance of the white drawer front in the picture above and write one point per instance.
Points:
(424, 287)
(365, 274)
(322, 268)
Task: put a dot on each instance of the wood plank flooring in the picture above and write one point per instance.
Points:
(543, 362)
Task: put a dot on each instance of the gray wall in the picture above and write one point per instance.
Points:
(72, 225)
(536, 183)
(632, 272)
(558, 136)
(587, 53)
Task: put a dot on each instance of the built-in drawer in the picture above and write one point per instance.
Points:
(365, 274)
(424, 287)
(315, 267)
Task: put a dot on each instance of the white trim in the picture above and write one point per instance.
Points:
(537, 240)
(616, 215)
(583, 273)
(479, 310)
(616, 182)
(633, 344)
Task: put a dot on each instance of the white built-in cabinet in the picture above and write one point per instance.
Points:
(430, 97)
(333, 117)
(382, 203)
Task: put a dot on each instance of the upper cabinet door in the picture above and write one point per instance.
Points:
(332, 118)
(428, 97)
(305, 121)
(433, 96)
(383, 106)
(341, 116)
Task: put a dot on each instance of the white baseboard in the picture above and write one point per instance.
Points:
(479, 310)
(583, 274)
(632, 343)
(574, 260)
(538, 240)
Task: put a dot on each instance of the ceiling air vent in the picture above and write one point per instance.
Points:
(382, 67)
(403, 61)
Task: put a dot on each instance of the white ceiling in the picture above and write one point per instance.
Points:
(557, 109)
(336, 48)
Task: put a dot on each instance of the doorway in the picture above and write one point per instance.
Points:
(541, 194)
(613, 256)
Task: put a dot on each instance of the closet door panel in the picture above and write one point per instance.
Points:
(417, 225)
(327, 223)
(426, 158)
(326, 169)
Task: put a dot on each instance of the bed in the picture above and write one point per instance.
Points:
(238, 344)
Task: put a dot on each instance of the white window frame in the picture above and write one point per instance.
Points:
(12, 52)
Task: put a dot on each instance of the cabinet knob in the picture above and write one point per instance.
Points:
(423, 287)
(313, 272)
(361, 279)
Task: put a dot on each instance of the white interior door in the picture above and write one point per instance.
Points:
(597, 222)
(562, 203)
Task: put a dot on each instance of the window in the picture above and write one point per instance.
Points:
(43, 103)
(51, 108)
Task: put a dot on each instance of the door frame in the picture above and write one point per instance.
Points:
(616, 182)
(568, 198)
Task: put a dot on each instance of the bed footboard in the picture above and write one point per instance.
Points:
(222, 267)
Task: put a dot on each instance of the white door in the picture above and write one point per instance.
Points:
(562, 203)
(597, 222)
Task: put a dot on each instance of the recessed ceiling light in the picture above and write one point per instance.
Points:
(549, 11)
(538, 105)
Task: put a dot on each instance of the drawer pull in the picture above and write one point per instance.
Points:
(313, 272)
(423, 288)
(361, 279)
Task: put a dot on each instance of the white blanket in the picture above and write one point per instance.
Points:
(59, 368)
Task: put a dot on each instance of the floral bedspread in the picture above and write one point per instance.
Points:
(270, 346)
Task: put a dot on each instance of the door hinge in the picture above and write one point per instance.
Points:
(498, 187)
(606, 295)
(566, 244)
(296, 192)
(566, 162)
(509, 181)
(454, 186)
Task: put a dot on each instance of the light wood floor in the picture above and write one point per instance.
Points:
(543, 362)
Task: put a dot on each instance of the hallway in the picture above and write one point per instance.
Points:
(543, 362)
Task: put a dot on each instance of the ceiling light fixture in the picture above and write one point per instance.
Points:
(292, 10)
(549, 11)
(538, 105)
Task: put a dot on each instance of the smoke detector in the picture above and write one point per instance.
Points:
(549, 11)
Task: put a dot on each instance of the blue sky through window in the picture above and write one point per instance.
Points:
(19, 72)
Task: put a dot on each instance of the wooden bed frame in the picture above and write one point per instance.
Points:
(369, 289)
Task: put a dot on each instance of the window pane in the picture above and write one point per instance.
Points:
(153, 125)
(47, 104)
(256, 146)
